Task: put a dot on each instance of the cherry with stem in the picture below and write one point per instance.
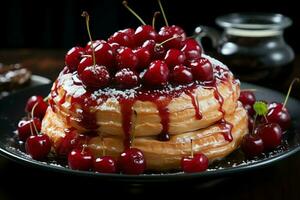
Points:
(87, 22)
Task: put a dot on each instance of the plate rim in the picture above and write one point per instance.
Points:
(159, 177)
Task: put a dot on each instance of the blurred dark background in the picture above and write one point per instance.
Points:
(57, 24)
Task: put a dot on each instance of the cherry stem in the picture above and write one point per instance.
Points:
(192, 149)
(31, 131)
(87, 22)
(83, 148)
(154, 17)
(163, 13)
(169, 39)
(32, 117)
(125, 4)
(289, 91)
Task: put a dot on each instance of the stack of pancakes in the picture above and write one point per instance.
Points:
(216, 134)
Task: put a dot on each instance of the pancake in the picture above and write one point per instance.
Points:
(215, 141)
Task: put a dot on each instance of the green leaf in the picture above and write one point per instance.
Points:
(261, 108)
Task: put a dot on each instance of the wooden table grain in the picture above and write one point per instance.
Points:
(279, 181)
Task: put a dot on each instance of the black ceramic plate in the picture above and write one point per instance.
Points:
(12, 109)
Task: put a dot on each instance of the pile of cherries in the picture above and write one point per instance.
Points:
(267, 128)
(131, 58)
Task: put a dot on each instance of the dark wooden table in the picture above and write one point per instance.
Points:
(279, 181)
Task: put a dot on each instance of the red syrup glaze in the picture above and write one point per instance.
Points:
(126, 112)
(198, 114)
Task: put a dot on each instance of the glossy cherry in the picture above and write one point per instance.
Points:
(174, 57)
(114, 47)
(123, 38)
(73, 57)
(71, 140)
(95, 76)
(40, 106)
(126, 78)
(252, 145)
(181, 75)
(80, 159)
(143, 33)
(247, 98)
(202, 69)
(132, 161)
(271, 135)
(167, 32)
(197, 163)
(157, 74)
(279, 114)
(26, 128)
(144, 57)
(88, 48)
(85, 62)
(105, 164)
(191, 49)
(126, 58)
(38, 146)
(104, 54)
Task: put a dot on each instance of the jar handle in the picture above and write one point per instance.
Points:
(205, 31)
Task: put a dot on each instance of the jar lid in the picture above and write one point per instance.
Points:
(254, 21)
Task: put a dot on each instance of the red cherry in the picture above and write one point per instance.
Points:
(126, 78)
(159, 52)
(144, 57)
(126, 58)
(114, 47)
(202, 69)
(88, 49)
(85, 62)
(144, 32)
(192, 49)
(105, 164)
(157, 74)
(197, 163)
(247, 98)
(271, 135)
(40, 106)
(181, 75)
(38, 146)
(80, 159)
(71, 140)
(252, 145)
(149, 45)
(279, 114)
(168, 32)
(73, 57)
(95, 76)
(128, 31)
(132, 161)
(26, 128)
(174, 57)
(123, 37)
(104, 54)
